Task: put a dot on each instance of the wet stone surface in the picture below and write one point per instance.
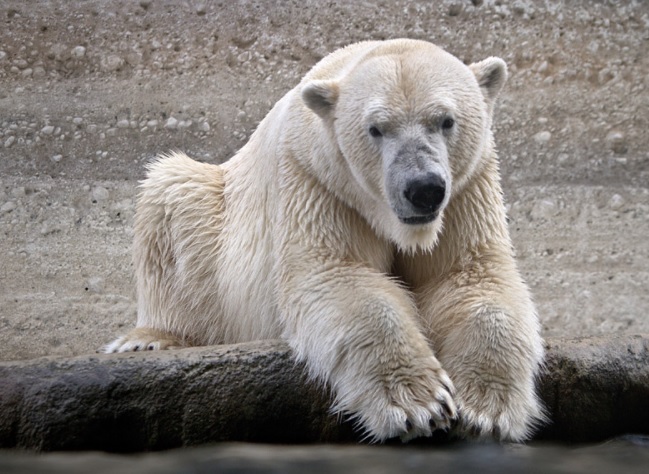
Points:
(629, 455)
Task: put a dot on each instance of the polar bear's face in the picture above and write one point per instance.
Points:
(412, 126)
(413, 150)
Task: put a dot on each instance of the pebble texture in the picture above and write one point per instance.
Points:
(91, 91)
(593, 388)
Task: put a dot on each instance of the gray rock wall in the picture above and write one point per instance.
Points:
(594, 389)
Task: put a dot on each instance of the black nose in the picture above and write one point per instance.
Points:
(427, 193)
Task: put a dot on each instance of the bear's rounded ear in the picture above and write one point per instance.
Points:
(320, 96)
(491, 74)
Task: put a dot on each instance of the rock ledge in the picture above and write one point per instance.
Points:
(594, 388)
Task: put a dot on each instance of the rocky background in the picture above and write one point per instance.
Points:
(90, 91)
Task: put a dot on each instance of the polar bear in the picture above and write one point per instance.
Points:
(364, 224)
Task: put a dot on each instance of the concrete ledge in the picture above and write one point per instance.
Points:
(594, 389)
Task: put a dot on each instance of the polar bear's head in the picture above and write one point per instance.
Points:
(412, 123)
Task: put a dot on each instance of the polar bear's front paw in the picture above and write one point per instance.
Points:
(143, 339)
(505, 415)
(412, 402)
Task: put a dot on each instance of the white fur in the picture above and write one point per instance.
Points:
(299, 236)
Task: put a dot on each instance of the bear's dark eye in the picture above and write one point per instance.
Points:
(448, 123)
(375, 132)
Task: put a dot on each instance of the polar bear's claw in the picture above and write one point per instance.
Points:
(450, 413)
(417, 407)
